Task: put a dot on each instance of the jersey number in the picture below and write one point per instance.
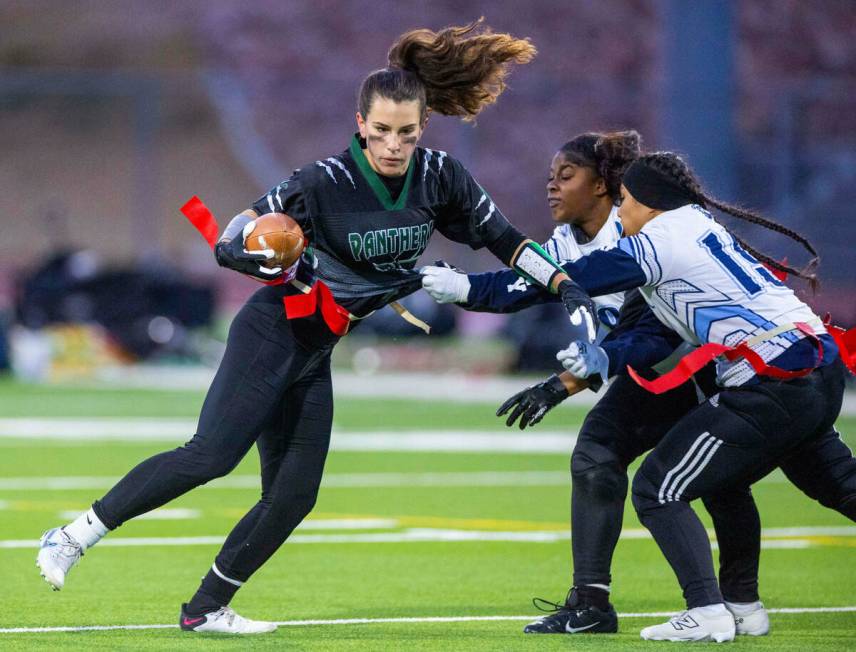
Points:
(753, 279)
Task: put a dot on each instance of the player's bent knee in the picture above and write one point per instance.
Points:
(644, 493)
(847, 506)
(602, 481)
(590, 453)
(291, 508)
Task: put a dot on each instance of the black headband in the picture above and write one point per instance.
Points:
(654, 189)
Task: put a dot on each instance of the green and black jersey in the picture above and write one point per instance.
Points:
(365, 242)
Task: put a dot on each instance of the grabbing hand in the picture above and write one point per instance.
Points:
(445, 284)
(532, 403)
(580, 307)
(583, 359)
(230, 253)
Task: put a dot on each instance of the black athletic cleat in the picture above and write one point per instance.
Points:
(574, 617)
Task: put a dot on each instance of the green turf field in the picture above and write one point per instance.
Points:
(395, 535)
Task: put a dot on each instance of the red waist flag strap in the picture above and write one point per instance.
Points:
(694, 361)
(846, 341)
(200, 217)
(303, 305)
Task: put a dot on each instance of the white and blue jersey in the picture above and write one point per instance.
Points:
(700, 283)
(505, 291)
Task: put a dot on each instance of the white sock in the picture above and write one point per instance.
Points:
(712, 610)
(87, 529)
(604, 587)
(744, 608)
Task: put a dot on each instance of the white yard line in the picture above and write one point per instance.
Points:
(163, 514)
(330, 480)
(180, 430)
(797, 537)
(424, 386)
(374, 621)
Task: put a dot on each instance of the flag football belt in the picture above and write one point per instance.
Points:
(691, 363)
(337, 318)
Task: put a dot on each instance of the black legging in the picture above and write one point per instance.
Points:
(272, 388)
(626, 422)
(735, 439)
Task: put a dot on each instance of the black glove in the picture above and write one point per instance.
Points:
(534, 402)
(580, 307)
(232, 255)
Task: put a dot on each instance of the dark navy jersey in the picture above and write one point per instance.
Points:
(364, 244)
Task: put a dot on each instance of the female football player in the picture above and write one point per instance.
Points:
(821, 466)
(369, 212)
(783, 395)
(583, 194)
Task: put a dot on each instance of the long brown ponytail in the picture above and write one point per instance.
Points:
(460, 69)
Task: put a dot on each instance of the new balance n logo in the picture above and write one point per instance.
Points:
(684, 622)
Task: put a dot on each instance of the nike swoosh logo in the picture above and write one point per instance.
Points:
(88, 520)
(574, 630)
(191, 621)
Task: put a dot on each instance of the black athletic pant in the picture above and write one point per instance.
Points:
(626, 422)
(733, 439)
(272, 388)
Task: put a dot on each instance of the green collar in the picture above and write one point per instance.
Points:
(374, 181)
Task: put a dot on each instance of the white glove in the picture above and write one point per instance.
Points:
(445, 285)
(582, 360)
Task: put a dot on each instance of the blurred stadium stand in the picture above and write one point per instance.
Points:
(113, 114)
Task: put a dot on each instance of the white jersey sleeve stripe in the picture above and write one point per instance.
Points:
(643, 252)
(646, 239)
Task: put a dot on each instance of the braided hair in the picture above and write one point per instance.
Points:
(671, 165)
(608, 154)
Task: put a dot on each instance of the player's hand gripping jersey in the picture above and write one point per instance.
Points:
(702, 285)
(364, 240)
(504, 291)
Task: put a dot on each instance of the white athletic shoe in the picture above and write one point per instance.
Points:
(58, 552)
(223, 621)
(711, 623)
(750, 618)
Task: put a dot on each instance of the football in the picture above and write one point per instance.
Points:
(278, 232)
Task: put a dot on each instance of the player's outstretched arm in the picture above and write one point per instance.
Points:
(501, 291)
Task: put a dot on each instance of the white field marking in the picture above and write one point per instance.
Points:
(163, 514)
(433, 535)
(374, 621)
(4, 504)
(334, 480)
(473, 441)
(331, 480)
(425, 386)
(180, 430)
(419, 386)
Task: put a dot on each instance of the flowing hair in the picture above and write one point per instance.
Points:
(457, 71)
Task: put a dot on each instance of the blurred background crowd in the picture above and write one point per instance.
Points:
(112, 114)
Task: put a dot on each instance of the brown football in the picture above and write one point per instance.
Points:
(279, 232)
